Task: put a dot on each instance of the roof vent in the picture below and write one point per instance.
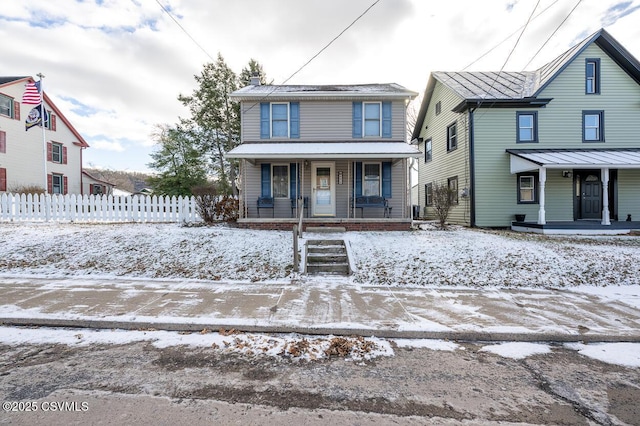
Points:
(255, 79)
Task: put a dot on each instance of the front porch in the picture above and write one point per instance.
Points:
(359, 224)
(578, 227)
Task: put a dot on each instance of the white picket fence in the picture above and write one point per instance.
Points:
(97, 208)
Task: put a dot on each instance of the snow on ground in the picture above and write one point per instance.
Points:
(517, 350)
(460, 257)
(624, 354)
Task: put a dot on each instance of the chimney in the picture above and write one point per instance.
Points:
(255, 79)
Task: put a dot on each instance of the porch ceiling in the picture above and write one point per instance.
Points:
(531, 159)
(323, 150)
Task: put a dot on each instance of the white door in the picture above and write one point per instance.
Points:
(323, 191)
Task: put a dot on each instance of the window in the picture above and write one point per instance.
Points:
(57, 184)
(452, 137)
(56, 153)
(527, 127)
(527, 188)
(428, 151)
(371, 179)
(438, 107)
(593, 126)
(280, 181)
(452, 183)
(592, 76)
(428, 194)
(6, 106)
(372, 121)
(280, 120)
(277, 120)
(96, 189)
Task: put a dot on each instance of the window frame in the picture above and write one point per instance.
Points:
(534, 128)
(60, 148)
(364, 119)
(600, 128)
(453, 179)
(272, 119)
(428, 150)
(273, 180)
(10, 103)
(428, 194)
(452, 146)
(55, 176)
(365, 180)
(536, 179)
(595, 62)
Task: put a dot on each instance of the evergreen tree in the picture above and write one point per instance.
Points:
(178, 160)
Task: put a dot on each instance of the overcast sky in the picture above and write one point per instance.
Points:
(116, 67)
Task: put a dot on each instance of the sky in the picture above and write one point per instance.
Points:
(115, 68)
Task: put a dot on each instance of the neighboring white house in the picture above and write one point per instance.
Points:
(23, 152)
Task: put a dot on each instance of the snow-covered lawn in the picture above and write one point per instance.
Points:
(461, 257)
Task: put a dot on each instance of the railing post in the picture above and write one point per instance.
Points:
(295, 248)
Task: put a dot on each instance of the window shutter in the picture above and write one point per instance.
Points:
(64, 155)
(265, 121)
(53, 121)
(294, 120)
(16, 110)
(358, 178)
(357, 119)
(386, 119)
(90, 189)
(266, 180)
(49, 184)
(294, 185)
(3, 141)
(65, 189)
(3, 179)
(386, 179)
(49, 151)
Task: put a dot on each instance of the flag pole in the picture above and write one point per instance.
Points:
(44, 135)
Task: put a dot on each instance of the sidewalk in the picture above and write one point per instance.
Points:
(324, 306)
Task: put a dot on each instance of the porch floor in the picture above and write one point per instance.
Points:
(584, 227)
(358, 224)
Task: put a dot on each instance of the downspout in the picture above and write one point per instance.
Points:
(472, 186)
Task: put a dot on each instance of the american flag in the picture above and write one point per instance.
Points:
(32, 94)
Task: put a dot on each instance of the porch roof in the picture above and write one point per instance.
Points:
(323, 150)
(523, 160)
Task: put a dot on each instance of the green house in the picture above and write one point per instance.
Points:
(559, 145)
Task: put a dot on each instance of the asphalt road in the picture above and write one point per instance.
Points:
(139, 383)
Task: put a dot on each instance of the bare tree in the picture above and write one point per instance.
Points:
(443, 200)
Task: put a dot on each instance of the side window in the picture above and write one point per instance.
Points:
(452, 137)
(592, 76)
(527, 127)
(593, 126)
(428, 150)
(428, 194)
(452, 183)
(527, 188)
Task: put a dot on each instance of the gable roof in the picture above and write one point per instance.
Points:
(511, 88)
(258, 92)
(6, 81)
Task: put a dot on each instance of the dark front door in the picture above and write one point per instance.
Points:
(591, 197)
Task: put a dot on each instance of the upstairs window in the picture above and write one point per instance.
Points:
(452, 137)
(6, 106)
(279, 120)
(372, 119)
(593, 126)
(438, 107)
(592, 77)
(527, 126)
(428, 150)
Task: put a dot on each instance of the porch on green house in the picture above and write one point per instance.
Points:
(590, 191)
(351, 186)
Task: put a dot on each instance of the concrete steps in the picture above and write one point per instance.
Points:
(327, 257)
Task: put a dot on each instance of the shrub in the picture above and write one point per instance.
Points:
(443, 199)
(206, 201)
(227, 208)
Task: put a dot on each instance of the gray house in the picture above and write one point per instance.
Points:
(559, 145)
(337, 155)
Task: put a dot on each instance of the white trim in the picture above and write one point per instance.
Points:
(323, 150)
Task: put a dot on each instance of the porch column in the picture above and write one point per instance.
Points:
(606, 217)
(543, 178)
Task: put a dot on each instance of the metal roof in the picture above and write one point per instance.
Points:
(323, 150)
(391, 90)
(612, 158)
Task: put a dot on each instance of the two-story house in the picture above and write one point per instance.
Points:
(26, 159)
(339, 153)
(559, 145)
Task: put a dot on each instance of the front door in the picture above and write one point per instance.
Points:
(323, 191)
(591, 196)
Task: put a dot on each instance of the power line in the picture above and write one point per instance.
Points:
(552, 34)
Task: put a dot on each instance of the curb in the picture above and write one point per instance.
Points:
(380, 333)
